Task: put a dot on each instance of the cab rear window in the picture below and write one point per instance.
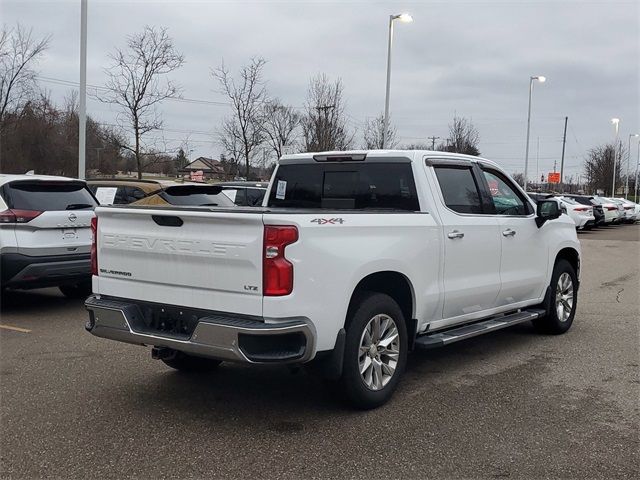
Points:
(347, 186)
(48, 196)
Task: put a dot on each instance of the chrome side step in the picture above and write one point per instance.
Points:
(440, 339)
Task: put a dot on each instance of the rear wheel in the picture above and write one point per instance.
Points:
(375, 351)
(78, 290)
(188, 363)
(561, 307)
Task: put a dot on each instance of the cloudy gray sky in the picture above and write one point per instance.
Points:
(473, 58)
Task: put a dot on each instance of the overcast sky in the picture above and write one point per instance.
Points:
(473, 58)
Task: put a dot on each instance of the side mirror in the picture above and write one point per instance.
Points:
(547, 210)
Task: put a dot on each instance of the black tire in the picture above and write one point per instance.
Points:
(189, 363)
(352, 383)
(78, 290)
(551, 323)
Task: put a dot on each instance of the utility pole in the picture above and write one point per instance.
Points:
(616, 123)
(564, 142)
(98, 153)
(538, 158)
(635, 187)
(82, 107)
(433, 142)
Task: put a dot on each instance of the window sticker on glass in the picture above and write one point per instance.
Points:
(281, 190)
(106, 195)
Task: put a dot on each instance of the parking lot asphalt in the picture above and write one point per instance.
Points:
(511, 404)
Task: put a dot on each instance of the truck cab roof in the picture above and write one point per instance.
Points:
(380, 156)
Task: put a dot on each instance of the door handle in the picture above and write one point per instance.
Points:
(167, 220)
(455, 234)
(508, 233)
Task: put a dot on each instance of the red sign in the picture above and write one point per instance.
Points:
(197, 176)
(554, 177)
(493, 187)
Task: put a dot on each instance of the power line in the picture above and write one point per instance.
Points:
(69, 83)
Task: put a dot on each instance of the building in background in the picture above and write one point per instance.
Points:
(211, 169)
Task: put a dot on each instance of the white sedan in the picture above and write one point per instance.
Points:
(612, 211)
(582, 215)
(631, 209)
(622, 214)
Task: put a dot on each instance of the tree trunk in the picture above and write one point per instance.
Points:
(138, 160)
(246, 155)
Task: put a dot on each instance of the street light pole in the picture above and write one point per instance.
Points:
(403, 17)
(626, 183)
(636, 182)
(82, 107)
(616, 123)
(541, 79)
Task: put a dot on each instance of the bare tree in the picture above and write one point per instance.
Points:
(232, 147)
(598, 167)
(281, 126)
(324, 125)
(463, 137)
(374, 133)
(416, 146)
(19, 51)
(137, 84)
(242, 132)
(519, 178)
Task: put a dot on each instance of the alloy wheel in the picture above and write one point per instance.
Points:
(379, 351)
(564, 297)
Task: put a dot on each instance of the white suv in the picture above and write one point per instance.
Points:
(45, 233)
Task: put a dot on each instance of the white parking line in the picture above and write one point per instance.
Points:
(15, 329)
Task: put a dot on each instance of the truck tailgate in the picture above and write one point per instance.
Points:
(194, 257)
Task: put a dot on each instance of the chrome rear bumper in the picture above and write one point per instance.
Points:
(217, 335)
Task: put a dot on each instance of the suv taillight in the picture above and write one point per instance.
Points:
(277, 271)
(18, 216)
(94, 246)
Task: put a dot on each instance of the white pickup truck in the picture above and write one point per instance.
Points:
(354, 259)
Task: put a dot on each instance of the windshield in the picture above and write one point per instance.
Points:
(47, 196)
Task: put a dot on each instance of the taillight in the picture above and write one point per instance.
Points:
(611, 207)
(18, 216)
(94, 246)
(581, 209)
(277, 271)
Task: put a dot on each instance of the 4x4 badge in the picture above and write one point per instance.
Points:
(325, 221)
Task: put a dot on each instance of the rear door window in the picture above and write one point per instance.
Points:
(255, 196)
(134, 194)
(47, 196)
(459, 189)
(237, 195)
(121, 197)
(349, 186)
